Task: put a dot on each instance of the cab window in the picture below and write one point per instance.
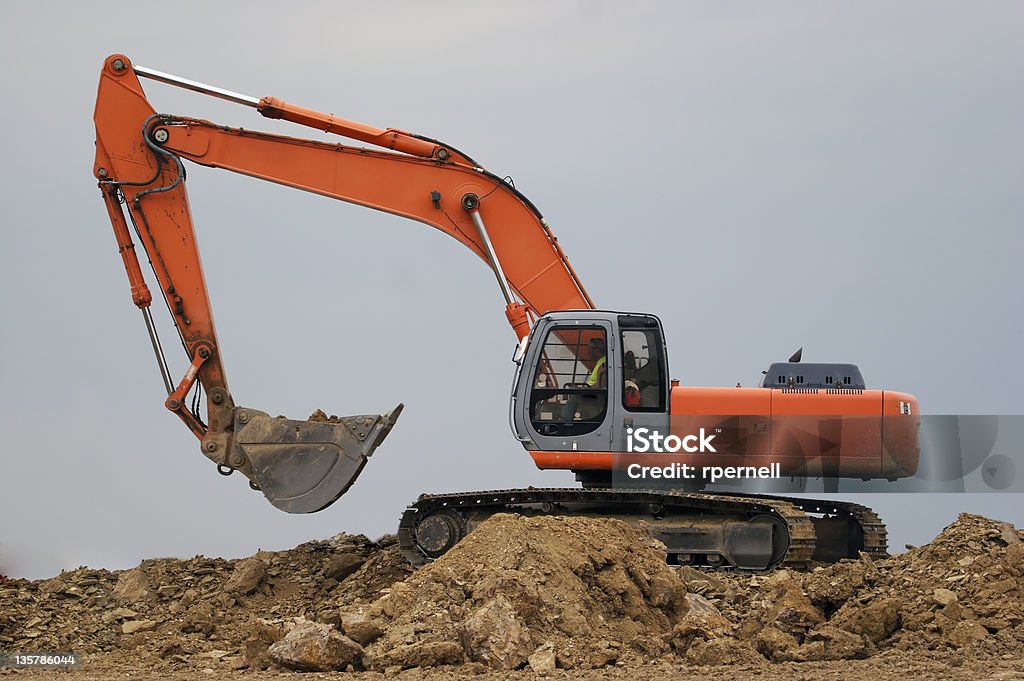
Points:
(569, 395)
(643, 382)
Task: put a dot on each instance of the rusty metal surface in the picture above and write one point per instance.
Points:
(305, 466)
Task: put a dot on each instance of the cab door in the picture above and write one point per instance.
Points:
(565, 402)
(641, 392)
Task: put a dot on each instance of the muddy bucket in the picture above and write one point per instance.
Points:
(304, 466)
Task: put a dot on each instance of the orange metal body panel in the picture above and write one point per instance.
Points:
(401, 185)
(830, 433)
(738, 417)
(804, 432)
(900, 429)
(165, 221)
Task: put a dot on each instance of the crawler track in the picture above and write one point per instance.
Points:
(741, 531)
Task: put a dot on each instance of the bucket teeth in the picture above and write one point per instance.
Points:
(305, 466)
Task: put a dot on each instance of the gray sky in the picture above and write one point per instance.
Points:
(842, 177)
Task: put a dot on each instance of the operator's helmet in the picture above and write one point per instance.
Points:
(631, 394)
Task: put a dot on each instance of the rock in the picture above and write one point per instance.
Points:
(398, 601)
(1003, 586)
(199, 619)
(422, 654)
(521, 594)
(869, 565)
(342, 565)
(698, 605)
(134, 626)
(167, 590)
(776, 645)
(877, 621)
(246, 577)
(132, 587)
(965, 633)
(1008, 534)
(315, 647)
(119, 614)
(1014, 558)
(793, 612)
(663, 591)
(255, 648)
(831, 643)
(944, 597)
(543, 659)
(701, 580)
(174, 648)
(723, 651)
(994, 624)
(359, 627)
(834, 585)
(650, 645)
(952, 612)
(702, 621)
(494, 635)
(53, 585)
(602, 656)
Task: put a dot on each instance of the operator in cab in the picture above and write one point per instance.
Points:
(598, 377)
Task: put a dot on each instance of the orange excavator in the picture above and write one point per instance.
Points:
(593, 393)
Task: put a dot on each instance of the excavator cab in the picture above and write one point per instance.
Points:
(588, 375)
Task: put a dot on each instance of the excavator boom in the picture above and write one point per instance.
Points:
(300, 466)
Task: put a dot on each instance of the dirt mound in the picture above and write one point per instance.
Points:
(965, 589)
(582, 589)
(966, 586)
(168, 609)
(538, 593)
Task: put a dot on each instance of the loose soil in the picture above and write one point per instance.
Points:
(551, 597)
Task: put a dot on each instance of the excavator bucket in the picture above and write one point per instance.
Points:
(304, 466)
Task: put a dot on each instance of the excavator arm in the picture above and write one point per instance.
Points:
(301, 466)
